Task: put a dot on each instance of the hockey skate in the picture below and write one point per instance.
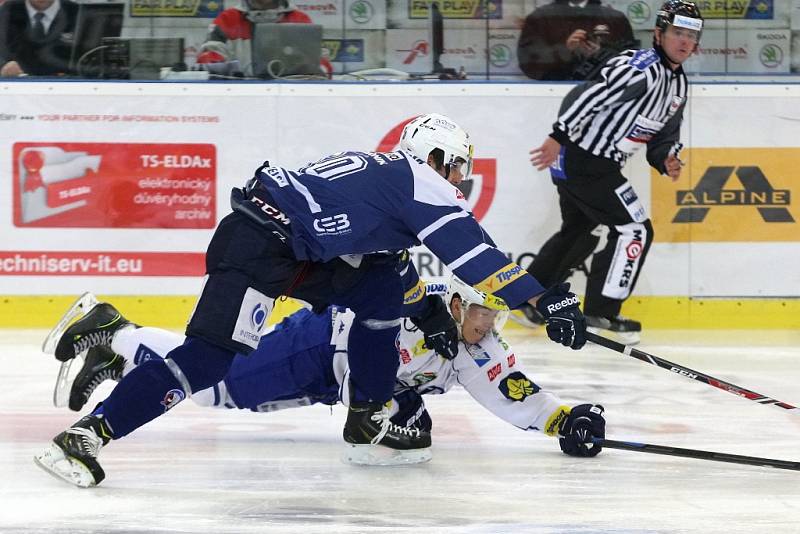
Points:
(619, 328)
(101, 364)
(528, 316)
(95, 328)
(80, 307)
(72, 456)
(372, 439)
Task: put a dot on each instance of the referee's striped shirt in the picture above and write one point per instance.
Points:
(638, 100)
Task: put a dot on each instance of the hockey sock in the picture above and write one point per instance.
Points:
(377, 300)
(215, 396)
(373, 362)
(138, 345)
(155, 386)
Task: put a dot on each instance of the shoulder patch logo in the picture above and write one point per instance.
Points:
(517, 387)
(480, 358)
(643, 58)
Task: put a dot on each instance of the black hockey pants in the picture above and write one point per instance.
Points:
(592, 191)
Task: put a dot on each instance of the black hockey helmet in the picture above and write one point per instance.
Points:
(687, 12)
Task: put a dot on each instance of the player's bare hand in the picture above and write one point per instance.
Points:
(673, 166)
(576, 39)
(11, 69)
(544, 156)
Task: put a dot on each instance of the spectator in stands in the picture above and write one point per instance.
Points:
(572, 39)
(35, 36)
(232, 31)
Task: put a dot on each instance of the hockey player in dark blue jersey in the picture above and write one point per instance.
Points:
(332, 232)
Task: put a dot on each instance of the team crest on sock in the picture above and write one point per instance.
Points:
(173, 397)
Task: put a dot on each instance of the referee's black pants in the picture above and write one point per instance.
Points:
(592, 192)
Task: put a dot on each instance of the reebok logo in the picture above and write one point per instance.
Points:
(566, 303)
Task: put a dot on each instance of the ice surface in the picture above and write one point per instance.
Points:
(206, 470)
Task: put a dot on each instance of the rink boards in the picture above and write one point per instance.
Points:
(116, 188)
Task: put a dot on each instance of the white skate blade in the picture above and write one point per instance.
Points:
(65, 379)
(381, 455)
(626, 338)
(81, 307)
(54, 461)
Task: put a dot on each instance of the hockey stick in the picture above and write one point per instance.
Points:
(688, 373)
(697, 454)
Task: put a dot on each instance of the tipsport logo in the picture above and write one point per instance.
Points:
(500, 279)
(478, 191)
(414, 294)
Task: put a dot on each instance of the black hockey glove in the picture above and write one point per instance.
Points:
(439, 327)
(584, 422)
(564, 321)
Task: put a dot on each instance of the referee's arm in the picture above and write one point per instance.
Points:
(666, 142)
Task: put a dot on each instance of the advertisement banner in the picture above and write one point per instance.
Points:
(114, 185)
(718, 14)
(410, 51)
(736, 195)
(730, 194)
(458, 9)
(176, 8)
(737, 9)
(457, 14)
(51, 263)
(742, 51)
(640, 13)
(350, 14)
(360, 49)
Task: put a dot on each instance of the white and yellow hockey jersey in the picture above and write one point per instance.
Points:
(489, 371)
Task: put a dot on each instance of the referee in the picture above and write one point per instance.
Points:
(638, 101)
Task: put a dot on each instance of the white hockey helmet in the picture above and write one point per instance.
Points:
(477, 305)
(428, 132)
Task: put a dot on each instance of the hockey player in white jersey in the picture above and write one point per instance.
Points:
(315, 234)
(303, 361)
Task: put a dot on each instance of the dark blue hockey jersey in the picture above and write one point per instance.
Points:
(359, 203)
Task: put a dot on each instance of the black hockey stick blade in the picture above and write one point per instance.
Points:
(697, 454)
(689, 373)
